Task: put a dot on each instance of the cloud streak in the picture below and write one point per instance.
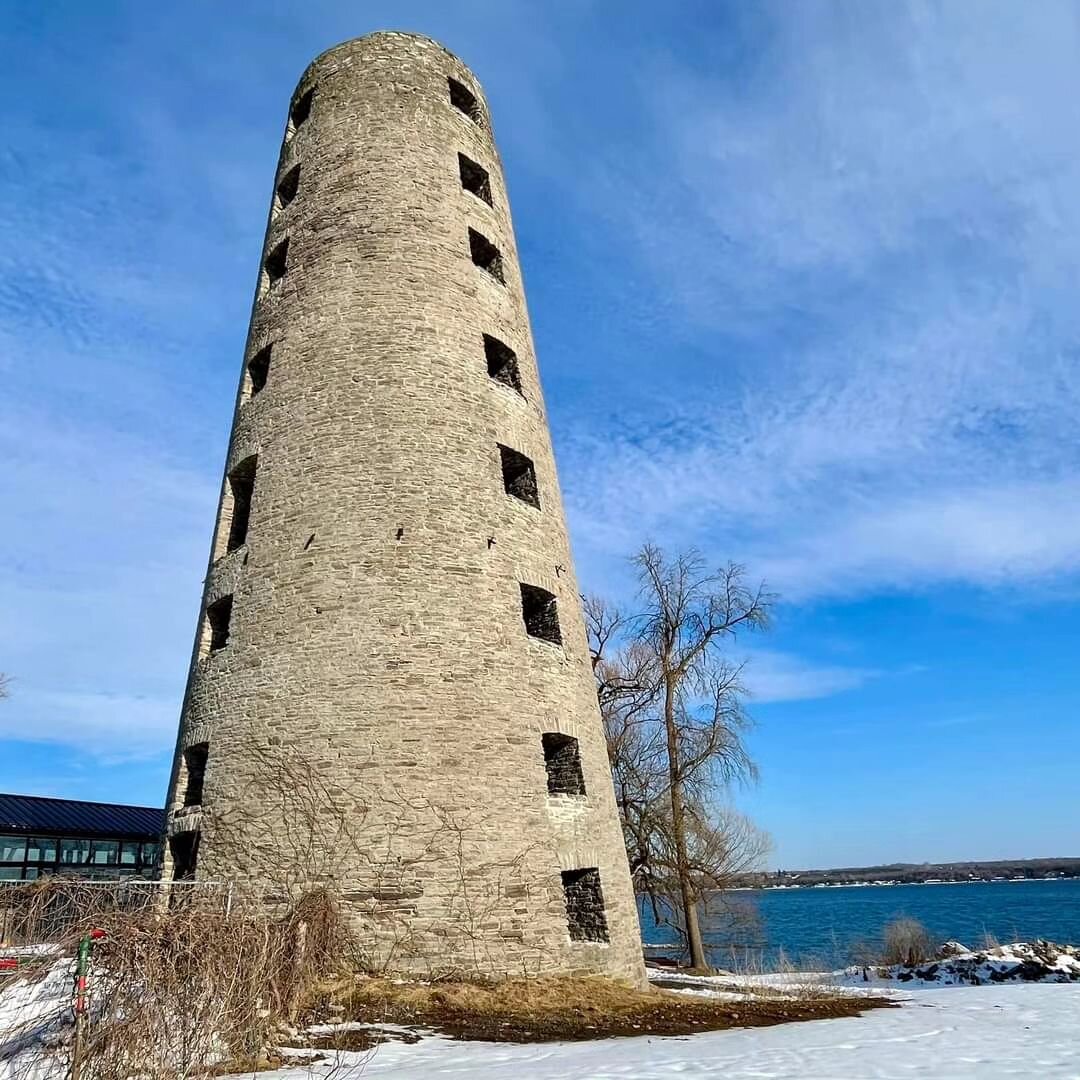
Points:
(772, 676)
(876, 225)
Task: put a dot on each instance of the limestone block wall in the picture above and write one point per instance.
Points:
(391, 641)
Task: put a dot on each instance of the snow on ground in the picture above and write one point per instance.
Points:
(988, 1032)
(995, 1031)
(33, 1014)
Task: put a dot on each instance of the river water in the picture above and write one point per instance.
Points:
(832, 926)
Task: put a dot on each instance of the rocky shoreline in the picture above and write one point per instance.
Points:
(957, 965)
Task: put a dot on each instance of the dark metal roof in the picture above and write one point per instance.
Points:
(70, 817)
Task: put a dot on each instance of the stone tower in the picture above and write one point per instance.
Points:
(391, 688)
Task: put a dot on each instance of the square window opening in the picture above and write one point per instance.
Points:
(218, 617)
(300, 109)
(486, 255)
(540, 611)
(258, 370)
(502, 364)
(474, 178)
(464, 100)
(195, 758)
(287, 188)
(277, 263)
(242, 484)
(562, 759)
(585, 905)
(184, 848)
(519, 476)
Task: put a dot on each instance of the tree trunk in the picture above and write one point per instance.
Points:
(678, 831)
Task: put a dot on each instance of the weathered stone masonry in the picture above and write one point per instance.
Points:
(390, 687)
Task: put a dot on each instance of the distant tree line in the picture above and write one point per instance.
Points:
(918, 873)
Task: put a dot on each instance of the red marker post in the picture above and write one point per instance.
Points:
(82, 980)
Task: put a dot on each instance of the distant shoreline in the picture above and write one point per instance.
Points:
(889, 883)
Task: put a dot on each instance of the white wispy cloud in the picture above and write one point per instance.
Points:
(772, 676)
(108, 726)
(872, 231)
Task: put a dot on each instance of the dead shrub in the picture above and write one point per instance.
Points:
(907, 942)
(200, 989)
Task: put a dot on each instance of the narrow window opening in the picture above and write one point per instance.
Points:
(258, 370)
(485, 255)
(585, 905)
(242, 483)
(464, 100)
(287, 187)
(474, 178)
(301, 109)
(276, 263)
(184, 848)
(519, 476)
(540, 611)
(562, 759)
(218, 617)
(502, 363)
(195, 758)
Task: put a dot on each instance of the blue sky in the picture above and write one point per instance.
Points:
(803, 282)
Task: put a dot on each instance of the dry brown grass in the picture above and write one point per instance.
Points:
(557, 1008)
(907, 942)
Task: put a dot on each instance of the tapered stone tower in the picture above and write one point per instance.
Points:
(390, 689)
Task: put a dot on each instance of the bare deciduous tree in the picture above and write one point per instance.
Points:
(674, 714)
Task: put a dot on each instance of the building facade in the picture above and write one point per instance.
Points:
(90, 840)
(391, 689)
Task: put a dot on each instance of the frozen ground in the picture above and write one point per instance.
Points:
(988, 1032)
(1012, 1029)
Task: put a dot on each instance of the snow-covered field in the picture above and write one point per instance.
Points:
(988, 1032)
(1011, 1029)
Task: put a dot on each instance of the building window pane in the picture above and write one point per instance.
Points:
(12, 848)
(106, 852)
(41, 850)
(129, 853)
(10, 873)
(74, 852)
(151, 854)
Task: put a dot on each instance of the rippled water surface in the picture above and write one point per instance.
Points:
(827, 925)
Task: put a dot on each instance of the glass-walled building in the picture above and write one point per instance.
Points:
(98, 841)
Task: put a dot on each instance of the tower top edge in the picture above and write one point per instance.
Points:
(380, 37)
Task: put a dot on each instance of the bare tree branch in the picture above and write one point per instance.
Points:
(674, 714)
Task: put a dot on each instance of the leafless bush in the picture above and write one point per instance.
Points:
(196, 989)
(908, 942)
(57, 909)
